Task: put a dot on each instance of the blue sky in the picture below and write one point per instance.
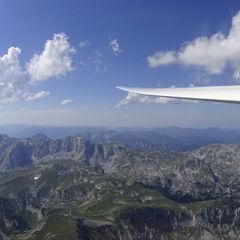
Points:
(62, 60)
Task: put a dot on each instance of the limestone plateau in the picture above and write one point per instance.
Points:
(73, 188)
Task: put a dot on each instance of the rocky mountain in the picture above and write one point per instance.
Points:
(72, 188)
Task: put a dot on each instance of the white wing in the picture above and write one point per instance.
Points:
(229, 94)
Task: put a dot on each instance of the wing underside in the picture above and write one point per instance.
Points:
(228, 94)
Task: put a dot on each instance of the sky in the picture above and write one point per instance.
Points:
(61, 61)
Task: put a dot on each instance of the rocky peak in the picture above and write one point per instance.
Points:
(39, 137)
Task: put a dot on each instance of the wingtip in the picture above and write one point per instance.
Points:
(122, 88)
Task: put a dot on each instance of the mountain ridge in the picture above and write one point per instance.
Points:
(171, 138)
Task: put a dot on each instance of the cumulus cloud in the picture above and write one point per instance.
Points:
(16, 79)
(114, 45)
(138, 98)
(212, 54)
(161, 58)
(12, 77)
(66, 101)
(55, 60)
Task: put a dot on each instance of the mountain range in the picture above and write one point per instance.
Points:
(73, 188)
(170, 138)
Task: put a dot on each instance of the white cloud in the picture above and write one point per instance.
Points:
(34, 96)
(12, 77)
(84, 44)
(133, 97)
(161, 58)
(55, 60)
(114, 45)
(16, 80)
(138, 98)
(66, 101)
(212, 54)
(98, 62)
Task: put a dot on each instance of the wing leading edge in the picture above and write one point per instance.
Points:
(228, 94)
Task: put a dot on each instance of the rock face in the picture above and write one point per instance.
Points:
(14, 153)
(157, 223)
(109, 191)
(17, 153)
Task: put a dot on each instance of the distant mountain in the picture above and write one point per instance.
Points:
(169, 138)
(23, 131)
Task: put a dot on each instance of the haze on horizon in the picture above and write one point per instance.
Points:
(60, 62)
